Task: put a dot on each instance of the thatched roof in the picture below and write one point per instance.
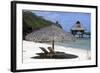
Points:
(77, 26)
(49, 33)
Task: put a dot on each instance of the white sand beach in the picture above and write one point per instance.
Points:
(31, 48)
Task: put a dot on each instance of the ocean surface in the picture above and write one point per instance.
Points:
(80, 43)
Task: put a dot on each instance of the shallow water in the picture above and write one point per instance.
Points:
(84, 43)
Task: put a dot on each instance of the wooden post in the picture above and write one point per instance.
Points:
(53, 44)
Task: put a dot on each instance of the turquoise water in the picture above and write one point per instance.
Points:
(84, 43)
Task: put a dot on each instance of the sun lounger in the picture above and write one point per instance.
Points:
(51, 50)
(44, 50)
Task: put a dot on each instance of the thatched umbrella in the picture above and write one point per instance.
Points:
(51, 33)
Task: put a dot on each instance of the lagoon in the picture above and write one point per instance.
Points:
(80, 43)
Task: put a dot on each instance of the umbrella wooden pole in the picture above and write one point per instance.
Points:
(53, 44)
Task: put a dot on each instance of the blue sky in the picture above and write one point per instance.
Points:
(67, 19)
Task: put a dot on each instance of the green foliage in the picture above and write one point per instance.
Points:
(33, 21)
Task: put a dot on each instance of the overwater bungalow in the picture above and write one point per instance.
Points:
(77, 29)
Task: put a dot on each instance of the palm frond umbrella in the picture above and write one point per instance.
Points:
(51, 33)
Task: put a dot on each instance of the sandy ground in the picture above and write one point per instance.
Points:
(31, 48)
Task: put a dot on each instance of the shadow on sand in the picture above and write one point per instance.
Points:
(56, 55)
